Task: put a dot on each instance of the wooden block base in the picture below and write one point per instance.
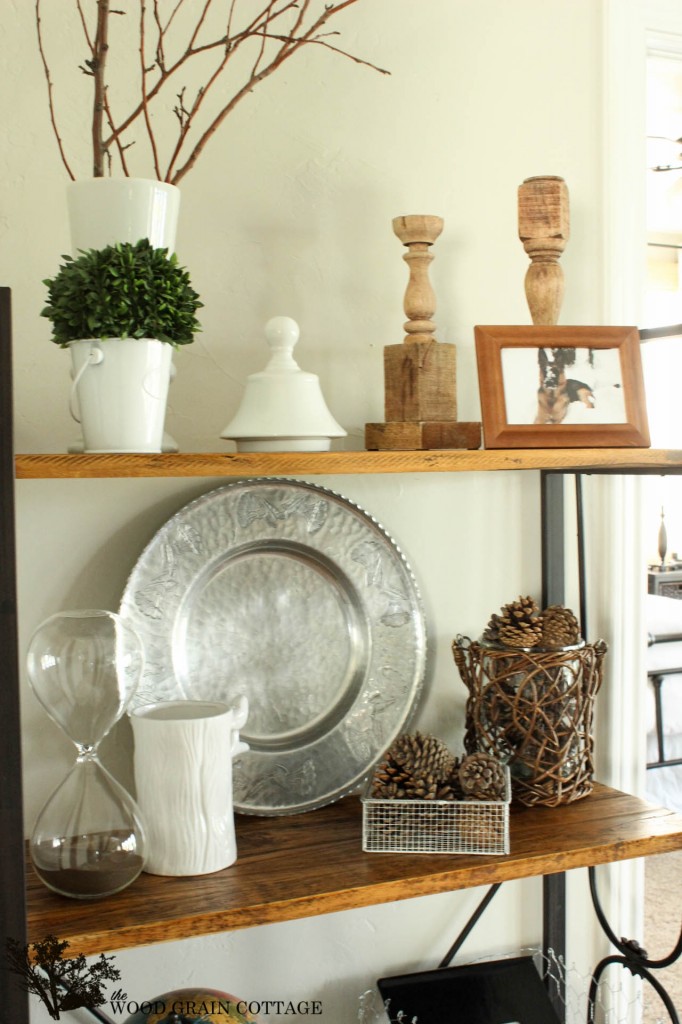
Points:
(420, 382)
(421, 435)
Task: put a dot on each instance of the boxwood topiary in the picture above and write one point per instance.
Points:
(125, 290)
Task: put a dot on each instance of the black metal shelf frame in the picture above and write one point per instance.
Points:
(630, 954)
(13, 1000)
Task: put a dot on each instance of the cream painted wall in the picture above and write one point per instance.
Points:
(290, 212)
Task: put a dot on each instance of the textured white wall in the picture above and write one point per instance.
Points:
(289, 212)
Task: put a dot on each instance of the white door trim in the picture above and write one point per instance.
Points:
(631, 30)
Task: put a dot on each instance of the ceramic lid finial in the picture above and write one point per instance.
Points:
(281, 334)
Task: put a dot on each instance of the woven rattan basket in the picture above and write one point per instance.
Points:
(533, 709)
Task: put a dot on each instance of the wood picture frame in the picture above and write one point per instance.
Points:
(561, 387)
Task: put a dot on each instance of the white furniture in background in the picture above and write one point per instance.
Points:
(664, 700)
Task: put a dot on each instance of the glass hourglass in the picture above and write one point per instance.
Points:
(88, 840)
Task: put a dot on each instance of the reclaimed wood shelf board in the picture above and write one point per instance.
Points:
(297, 866)
(190, 464)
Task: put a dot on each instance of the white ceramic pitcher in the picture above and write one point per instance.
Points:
(183, 775)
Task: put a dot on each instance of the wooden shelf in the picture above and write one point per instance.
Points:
(188, 464)
(298, 866)
(302, 865)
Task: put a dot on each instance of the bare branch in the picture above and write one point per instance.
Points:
(289, 47)
(162, 30)
(50, 94)
(98, 65)
(321, 40)
(237, 40)
(261, 50)
(84, 26)
(230, 15)
(198, 100)
(117, 142)
(277, 31)
(199, 24)
(143, 86)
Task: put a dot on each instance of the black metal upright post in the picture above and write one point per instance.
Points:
(552, 538)
(553, 592)
(13, 1000)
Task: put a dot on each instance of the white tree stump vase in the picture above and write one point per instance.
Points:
(183, 776)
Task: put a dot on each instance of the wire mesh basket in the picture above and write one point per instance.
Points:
(436, 826)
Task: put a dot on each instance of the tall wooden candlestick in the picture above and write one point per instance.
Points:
(420, 375)
(544, 231)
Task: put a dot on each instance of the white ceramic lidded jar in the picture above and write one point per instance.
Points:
(283, 408)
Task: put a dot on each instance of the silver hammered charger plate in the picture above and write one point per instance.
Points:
(293, 596)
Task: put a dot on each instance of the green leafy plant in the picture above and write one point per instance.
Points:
(126, 290)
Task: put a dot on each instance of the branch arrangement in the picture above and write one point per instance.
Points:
(172, 35)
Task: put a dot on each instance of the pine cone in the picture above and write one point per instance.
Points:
(521, 635)
(560, 627)
(415, 767)
(519, 625)
(388, 781)
(491, 633)
(482, 777)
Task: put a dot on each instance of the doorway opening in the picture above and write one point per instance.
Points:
(662, 514)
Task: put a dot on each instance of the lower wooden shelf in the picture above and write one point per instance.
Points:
(302, 865)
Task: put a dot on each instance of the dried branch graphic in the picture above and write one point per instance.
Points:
(169, 41)
(62, 983)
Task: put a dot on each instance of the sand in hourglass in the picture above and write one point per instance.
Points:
(97, 864)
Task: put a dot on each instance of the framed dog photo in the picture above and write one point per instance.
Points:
(561, 387)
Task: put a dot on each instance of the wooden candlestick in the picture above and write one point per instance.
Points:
(418, 233)
(544, 231)
(420, 376)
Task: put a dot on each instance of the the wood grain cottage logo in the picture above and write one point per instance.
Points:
(185, 1005)
(63, 982)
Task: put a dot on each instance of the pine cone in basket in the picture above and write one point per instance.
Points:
(491, 633)
(415, 767)
(560, 627)
(481, 777)
(519, 625)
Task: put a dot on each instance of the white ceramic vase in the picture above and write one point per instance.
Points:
(107, 210)
(123, 404)
(183, 776)
(121, 387)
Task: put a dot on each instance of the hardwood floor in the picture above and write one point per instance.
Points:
(663, 920)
